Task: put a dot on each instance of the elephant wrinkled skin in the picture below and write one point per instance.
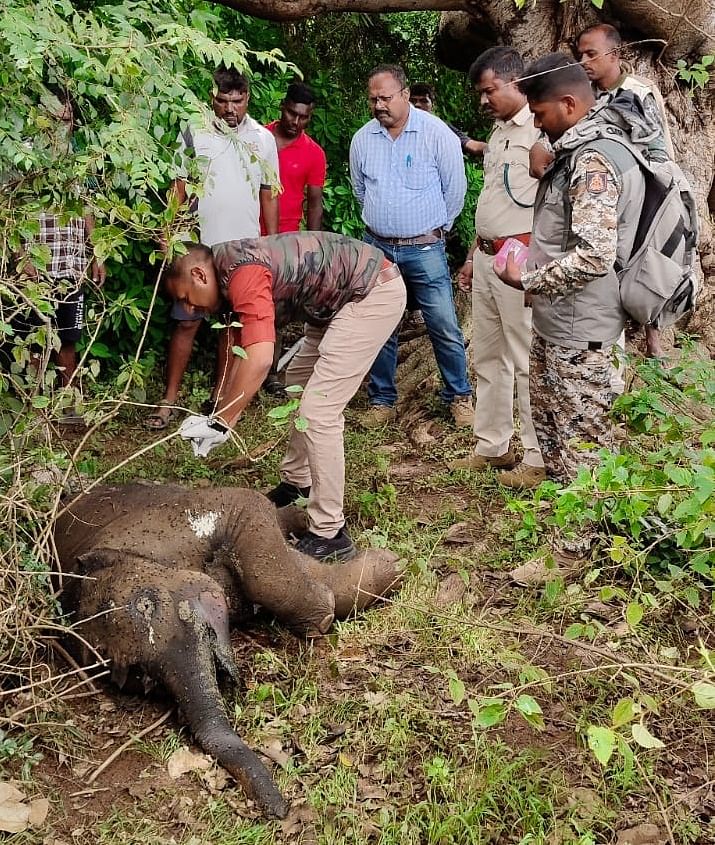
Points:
(167, 570)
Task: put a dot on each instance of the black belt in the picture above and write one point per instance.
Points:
(428, 238)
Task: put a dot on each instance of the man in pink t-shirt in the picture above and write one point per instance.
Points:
(301, 161)
(301, 166)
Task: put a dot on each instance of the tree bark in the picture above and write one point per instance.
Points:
(291, 10)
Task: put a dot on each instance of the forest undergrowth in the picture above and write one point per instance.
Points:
(464, 709)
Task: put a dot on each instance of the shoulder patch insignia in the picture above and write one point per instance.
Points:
(596, 181)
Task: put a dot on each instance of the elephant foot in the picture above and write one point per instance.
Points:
(359, 583)
(292, 520)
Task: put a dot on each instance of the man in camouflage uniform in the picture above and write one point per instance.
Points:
(351, 299)
(585, 218)
(598, 48)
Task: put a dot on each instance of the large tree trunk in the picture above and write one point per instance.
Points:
(685, 29)
(290, 10)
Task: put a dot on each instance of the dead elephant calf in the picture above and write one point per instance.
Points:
(169, 569)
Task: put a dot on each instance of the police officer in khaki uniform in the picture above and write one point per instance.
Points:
(501, 317)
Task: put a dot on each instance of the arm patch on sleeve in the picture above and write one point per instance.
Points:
(596, 181)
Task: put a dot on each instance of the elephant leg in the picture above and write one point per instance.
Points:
(292, 521)
(360, 582)
(267, 569)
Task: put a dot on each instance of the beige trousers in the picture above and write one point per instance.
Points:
(330, 366)
(500, 342)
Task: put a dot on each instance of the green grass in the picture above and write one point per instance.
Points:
(377, 719)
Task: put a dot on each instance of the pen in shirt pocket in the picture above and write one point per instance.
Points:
(408, 161)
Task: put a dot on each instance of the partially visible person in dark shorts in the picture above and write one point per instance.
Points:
(69, 267)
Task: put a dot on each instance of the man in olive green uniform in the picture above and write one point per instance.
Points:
(598, 48)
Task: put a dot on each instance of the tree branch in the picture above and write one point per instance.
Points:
(287, 10)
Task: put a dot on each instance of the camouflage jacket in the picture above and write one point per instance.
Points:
(314, 273)
(585, 218)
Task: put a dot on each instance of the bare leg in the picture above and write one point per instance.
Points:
(653, 347)
(67, 362)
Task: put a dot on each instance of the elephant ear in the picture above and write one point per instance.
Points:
(105, 558)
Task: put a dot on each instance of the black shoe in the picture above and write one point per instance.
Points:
(339, 547)
(286, 494)
(273, 386)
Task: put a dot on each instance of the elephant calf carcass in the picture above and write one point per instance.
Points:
(165, 571)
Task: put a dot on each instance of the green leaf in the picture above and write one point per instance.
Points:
(301, 424)
(527, 705)
(704, 693)
(239, 352)
(456, 690)
(644, 737)
(692, 597)
(281, 412)
(487, 712)
(623, 713)
(530, 709)
(634, 613)
(40, 401)
(602, 742)
(664, 503)
(700, 563)
(678, 475)
(294, 388)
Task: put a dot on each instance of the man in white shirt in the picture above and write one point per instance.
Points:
(238, 160)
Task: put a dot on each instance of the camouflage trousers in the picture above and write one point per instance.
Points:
(571, 398)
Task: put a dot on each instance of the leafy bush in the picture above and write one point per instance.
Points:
(132, 70)
(651, 504)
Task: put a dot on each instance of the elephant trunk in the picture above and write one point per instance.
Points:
(193, 683)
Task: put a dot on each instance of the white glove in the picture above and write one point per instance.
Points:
(204, 433)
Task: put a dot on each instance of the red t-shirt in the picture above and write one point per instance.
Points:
(250, 294)
(301, 163)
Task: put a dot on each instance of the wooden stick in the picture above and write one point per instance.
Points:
(67, 657)
(122, 748)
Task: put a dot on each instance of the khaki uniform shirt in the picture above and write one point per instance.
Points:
(506, 162)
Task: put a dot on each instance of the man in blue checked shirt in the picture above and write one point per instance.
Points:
(407, 172)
